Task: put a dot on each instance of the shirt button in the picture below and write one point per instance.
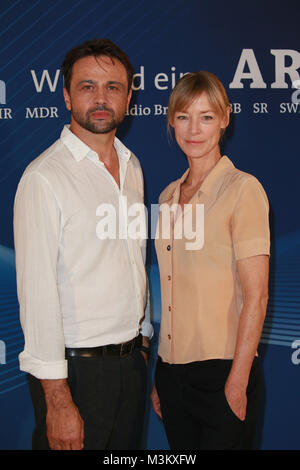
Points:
(170, 308)
(169, 278)
(169, 336)
(169, 247)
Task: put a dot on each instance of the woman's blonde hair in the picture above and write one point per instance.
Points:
(190, 86)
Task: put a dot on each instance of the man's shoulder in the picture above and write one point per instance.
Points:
(46, 159)
(50, 163)
(135, 161)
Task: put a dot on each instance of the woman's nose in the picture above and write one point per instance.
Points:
(194, 126)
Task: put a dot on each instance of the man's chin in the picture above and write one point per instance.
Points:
(99, 128)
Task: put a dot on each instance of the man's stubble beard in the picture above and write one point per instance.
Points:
(100, 126)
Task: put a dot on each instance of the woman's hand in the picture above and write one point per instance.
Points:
(237, 399)
(155, 402)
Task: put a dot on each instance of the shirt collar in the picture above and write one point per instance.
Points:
(80, 150)
(211, 183)
(215, 177)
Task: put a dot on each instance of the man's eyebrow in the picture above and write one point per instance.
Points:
(116, 82)
(92, 82)
(110, 82)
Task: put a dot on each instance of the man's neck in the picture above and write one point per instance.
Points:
(102, 144)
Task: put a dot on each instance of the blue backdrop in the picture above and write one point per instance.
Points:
(253, 47)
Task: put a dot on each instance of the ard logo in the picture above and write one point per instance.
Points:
(2, 92)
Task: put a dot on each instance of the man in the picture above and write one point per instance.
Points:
(83, 295)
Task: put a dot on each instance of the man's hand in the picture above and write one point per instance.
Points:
(155, 402)
(65, 427)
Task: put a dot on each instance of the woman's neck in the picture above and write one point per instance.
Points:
(199, 169)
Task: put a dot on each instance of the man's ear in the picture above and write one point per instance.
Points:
(67, 99)
(129, 98)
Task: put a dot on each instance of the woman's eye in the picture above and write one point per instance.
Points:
(207, 118)
(181, 118)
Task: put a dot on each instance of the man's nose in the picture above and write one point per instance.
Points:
(100, 96)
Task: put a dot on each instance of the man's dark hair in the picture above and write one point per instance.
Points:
(95, 48)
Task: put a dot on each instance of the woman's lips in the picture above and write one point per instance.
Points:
(194, 142)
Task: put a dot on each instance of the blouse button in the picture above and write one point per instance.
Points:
(169, 336)
(169, 247)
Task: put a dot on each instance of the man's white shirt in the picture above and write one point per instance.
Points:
(76, 286)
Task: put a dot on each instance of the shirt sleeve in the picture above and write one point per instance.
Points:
(146, 326)
(250, 221)
(37, 228)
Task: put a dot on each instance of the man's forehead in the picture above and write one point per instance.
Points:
(99, 68)
(105, 63)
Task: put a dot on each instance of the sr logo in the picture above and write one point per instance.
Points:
(296, 354)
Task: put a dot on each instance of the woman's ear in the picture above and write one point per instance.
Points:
(226, 117)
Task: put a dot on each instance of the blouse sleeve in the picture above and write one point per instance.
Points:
(250, 221)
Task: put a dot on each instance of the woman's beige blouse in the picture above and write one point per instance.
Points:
(200, 288)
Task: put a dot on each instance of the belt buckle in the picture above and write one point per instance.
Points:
(126, 349)
(123, 351)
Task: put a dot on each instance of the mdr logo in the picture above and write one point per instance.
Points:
(5, 113)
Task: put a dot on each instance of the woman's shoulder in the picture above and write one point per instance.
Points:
(240, 178)
(168, 192)
(242, 184)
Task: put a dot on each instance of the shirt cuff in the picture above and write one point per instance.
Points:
(41, 369)
(147, 329)
(248, 248)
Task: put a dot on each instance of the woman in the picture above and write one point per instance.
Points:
(215, 290)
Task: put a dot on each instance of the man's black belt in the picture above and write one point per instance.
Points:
(122, 349)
